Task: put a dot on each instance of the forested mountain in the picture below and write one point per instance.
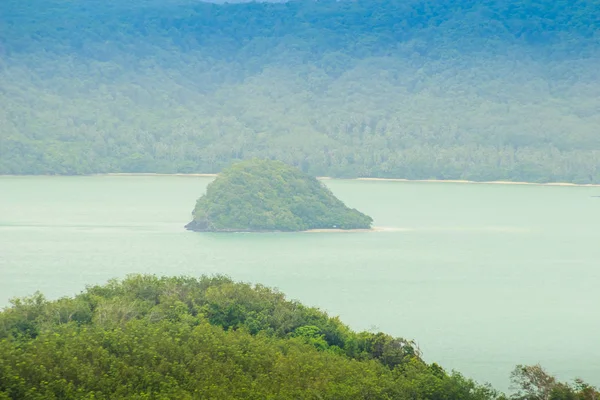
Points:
(210, 338)
(476, 89)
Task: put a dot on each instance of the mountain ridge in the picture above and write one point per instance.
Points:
(483, 90)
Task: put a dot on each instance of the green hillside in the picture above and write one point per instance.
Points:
(208, 338)
(147, 337)
(481, 90)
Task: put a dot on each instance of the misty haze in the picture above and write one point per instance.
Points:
(299, 200)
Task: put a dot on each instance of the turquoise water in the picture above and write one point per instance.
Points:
(483, 276)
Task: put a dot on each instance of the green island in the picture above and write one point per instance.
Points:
(265, 195)
(149, 337)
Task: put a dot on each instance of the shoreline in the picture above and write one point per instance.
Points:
(192, 226)
(154, 174)
(479, 182)
(319, 230)
(323, 178)
(373, 229)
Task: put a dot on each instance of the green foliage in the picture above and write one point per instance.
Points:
(532, 382)
(265, 195)
(166, 338)
(210, 338)
(312, 334)
(481, 90)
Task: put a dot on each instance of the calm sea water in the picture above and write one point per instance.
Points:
(483, 276)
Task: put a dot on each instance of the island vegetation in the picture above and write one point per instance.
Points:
(149, 337)
(420, 89)
(266, 195)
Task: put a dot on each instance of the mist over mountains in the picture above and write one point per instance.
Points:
(481, 90)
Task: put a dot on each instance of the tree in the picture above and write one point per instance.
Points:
(532, 382)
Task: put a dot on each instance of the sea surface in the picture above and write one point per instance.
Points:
(482, 276)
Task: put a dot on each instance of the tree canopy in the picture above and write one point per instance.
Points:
(183, 338)
(418, 89)
(267, 195)
(148, 337)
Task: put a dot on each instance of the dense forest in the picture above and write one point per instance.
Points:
(211, 338)
(476, 89)
(266, 195)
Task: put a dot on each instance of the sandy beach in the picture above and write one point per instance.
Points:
(323, 178)
(154, 174)
(477, 182)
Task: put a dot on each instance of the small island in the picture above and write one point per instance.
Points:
(271, 196)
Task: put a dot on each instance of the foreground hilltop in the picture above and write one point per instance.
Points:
(207, 338)
(266, 195)
(211, 338)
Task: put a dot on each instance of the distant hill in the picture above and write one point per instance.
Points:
(265, 195)
(480, 90)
